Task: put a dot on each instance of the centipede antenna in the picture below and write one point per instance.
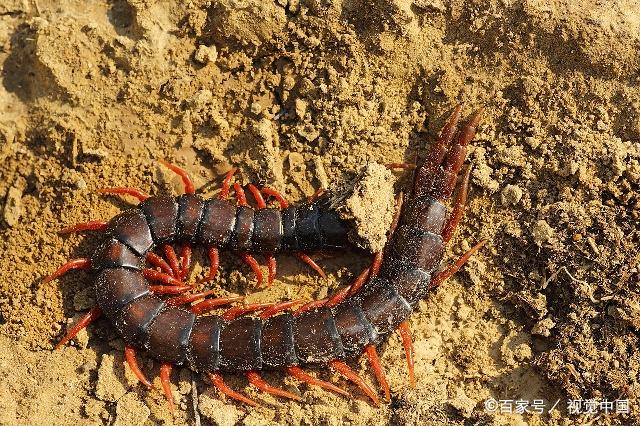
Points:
(169, 289)
(130, 356)
(185, 256)
(218, 382)
(170, 253)
(186, 179)
(306, 259)
(256, 380)
(407, 342)
(140, 195)
(159, 262)
(87, 319)
(253, 264)
(304, 377)
(152, 274)
(94, 225)
(374, 360)
(275, 194)
(214, 261)
(165, 379)
(347, 372)
(81, 263)
(226, 184)
(208, 304)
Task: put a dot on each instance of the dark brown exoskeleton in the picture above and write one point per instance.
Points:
(161, 319)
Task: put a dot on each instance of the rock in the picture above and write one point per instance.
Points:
(130, 411)
(511, 195)
(13, 206)
(205, 54)
(543, 327)
(542, 232)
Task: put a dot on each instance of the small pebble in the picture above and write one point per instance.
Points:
(205, 54)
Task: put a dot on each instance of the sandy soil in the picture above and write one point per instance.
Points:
(301, 95)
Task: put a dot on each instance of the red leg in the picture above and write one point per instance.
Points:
(236, 311)
(338, 297)
(310, 306)
(165, 379)
(304, 377)
(95, 225)
(219, 383)
(226, 184)
(159, 262)
(359, 282)
(89, 317)
(442, 276)
(208, 304)
(152, 274)
(375, 265)
(190, 298)
(458, 208)
(141, 196)
(170, 289)
(186, 180)
(130, 356)
(80, 263)
(277, 308)
(347, 372)
(257, 196)
(275, 194)
(257, 381)
(253, 263)
(306, 259)
(374, 360)
(405, 333)
(240, 195)
(214, 260)
(272, 265)
(185, 255)
(172, 258)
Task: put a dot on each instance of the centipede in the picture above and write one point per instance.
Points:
(145, 297)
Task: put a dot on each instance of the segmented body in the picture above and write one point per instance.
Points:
(349, 323)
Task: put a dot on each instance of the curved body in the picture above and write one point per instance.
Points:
(176, 335)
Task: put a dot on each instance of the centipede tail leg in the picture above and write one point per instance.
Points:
(80, 263)
(304, 377)
(87, 319)
(94, 225)
(256, 380)
(218, 382)
(165, 379)
(374, 361)
(347, 372)
(407, 342)
(130, 356)
(136, 193)
(186, 179)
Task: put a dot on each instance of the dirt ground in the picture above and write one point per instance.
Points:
(301, 95)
